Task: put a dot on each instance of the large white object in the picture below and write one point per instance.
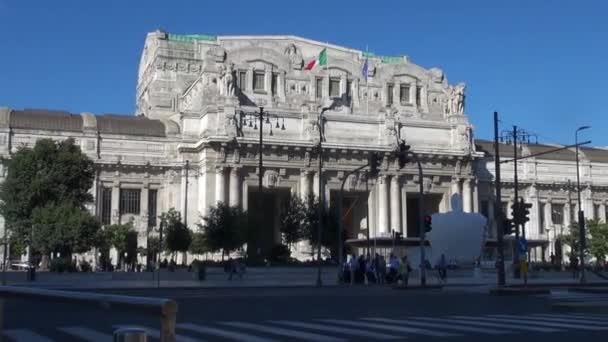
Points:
(457, 234)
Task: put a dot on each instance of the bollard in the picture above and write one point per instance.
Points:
(130, 335)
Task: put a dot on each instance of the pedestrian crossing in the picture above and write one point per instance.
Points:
(566, 296)
(340, 329)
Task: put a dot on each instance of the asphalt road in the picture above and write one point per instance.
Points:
(311, 314)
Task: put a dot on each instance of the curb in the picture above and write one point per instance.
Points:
(417, 287)
(517, 291)
(589, 307)
(588, 289)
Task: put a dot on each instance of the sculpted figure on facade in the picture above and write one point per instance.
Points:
(295, 57)
(226, 80)
(459, 98)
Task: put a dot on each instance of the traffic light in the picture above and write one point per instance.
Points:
(525, 212)
(516, 213)
(398, 236)
(508, 227)
(402, 156)
(428, 220)
(374, 163)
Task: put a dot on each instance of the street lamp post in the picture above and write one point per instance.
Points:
(581, 213)
(320, 124)
(262, 117)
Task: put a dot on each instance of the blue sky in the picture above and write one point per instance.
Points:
(541, 64)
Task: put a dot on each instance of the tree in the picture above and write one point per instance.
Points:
(199, 244)
(294, 221)
(123, 237)
(225, 228)
(63, 228)
(598, 240)
(572, 240)
(178, 237)
(49, 173)
(329, 234)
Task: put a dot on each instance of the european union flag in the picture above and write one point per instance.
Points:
(364, 70)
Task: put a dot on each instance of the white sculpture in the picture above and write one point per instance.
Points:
(456, 234)
(226, 83)
(454, 100)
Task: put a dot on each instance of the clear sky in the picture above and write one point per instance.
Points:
(541, 64)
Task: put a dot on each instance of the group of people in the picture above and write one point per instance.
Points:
(235, 267)
(362, 269)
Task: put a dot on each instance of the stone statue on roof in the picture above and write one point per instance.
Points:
(226, 83)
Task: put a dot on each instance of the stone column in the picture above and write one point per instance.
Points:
(235, 187)
(602, 212)
(395, 204)
(220, 182)
(371, 206)
(281, 84)
(115, 203)
(566, 213)
(491, 220)
(250, 76)
(404, 210)
(413, 92)
(467, 203)
(304, 185)
(475, 196)
(315, 185)
(455, 189)
(202, 191)
(145, 191)
(382, 205)
(548, 219)
(533, 227)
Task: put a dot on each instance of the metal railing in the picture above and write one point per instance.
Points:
(165, 308)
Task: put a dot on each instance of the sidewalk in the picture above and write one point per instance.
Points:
(258, 277)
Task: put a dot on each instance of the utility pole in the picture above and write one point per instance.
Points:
(498, 214)
(516, 191)
(186, 196)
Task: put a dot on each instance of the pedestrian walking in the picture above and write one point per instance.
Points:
(382, 267)
(404, 270)
(443, 269)
(393, 269)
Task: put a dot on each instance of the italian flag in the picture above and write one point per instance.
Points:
(320, 60)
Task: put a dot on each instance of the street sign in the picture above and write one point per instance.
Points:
(523, 246)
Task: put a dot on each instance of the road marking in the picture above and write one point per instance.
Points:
(443, 326)
(569, 320)
(86, 334)
(531, 320)
(401, 329)
(474, 321)
(23, 335)
(155, 333)
(284, 332)
(598, 317)
(347, 331)
(222, 333)
(586, 318)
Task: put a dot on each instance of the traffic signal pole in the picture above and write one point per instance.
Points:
(498, 214)
(516, 192)
(421, 224)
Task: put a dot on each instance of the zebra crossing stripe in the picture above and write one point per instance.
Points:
(86, 334)
(347, 331)
(284, 332)
(24, 335)
(415, 321)
(531, 320)
(155, 333)
(400, 328)
(591, 316)
(474, 321)
(579, 317)
(569, 320)
(222, 333)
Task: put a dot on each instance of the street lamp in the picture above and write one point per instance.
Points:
(250, 120)
(320, 124)
(581, 213)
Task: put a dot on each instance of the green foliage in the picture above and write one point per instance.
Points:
(61, 265)
(49, 173)
(294, 220)
(329, 234)
(597, 239)
(153, 247)
(63, 228)
(280, 253)
(199, 244)
(225, 228)
(123, 237)
(176, 235)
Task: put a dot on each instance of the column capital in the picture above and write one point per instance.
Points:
(220, 168)
(235, 170)
(455, 179)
